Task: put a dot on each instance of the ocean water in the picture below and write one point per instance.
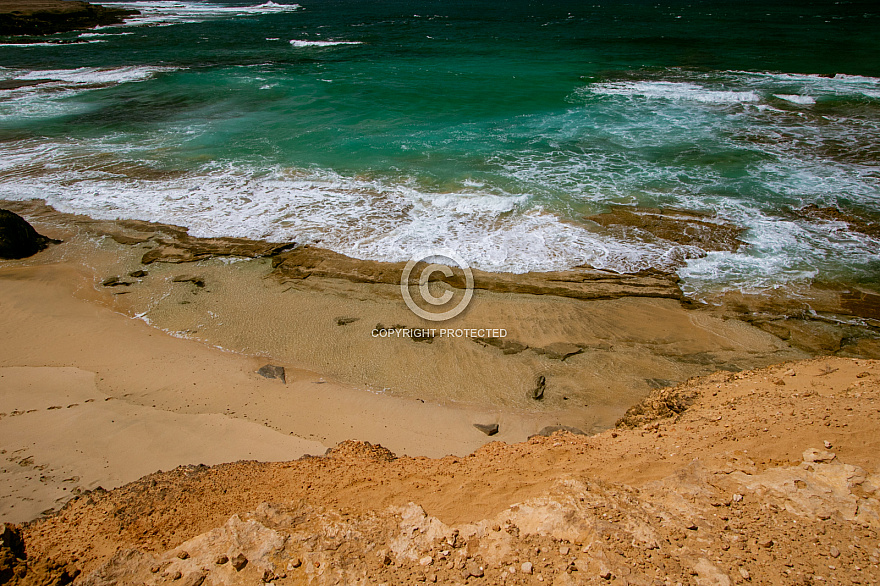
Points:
(378, 129)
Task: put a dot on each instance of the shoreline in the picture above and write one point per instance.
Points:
(601, 342)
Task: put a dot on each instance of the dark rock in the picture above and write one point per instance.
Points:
(221, 559)
(45, 17)
(487, 428)
(239, 562)
(195, 280)
(116, 282)
(272, 371)
(559, 350)
(18, 239)
(421, 336)
(551, 429)
(538, 392)
(344, 321)
(14, 84)
(138, 274)
(506, 346)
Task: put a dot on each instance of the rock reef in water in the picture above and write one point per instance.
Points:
(45, 17)
(685, 227)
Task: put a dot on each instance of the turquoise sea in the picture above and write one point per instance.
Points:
(379, 128)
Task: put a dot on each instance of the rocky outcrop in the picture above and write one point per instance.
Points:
(856, 223)
(660, 404)
(18, 239)
(44, 17)
(680, 226)
(273, 371)
(578, 283)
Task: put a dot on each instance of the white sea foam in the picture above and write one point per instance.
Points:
(796, 99)
(783, 84)
(838, 79)
(26, 45)
(169, 12)
(669, 90)
(302, 43)
(95, 75)
(107, 34)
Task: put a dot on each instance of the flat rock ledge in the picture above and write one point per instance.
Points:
(578, 283)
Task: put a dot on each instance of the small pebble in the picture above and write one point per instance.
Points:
(827, 444)
(527, 568)
(834, 552)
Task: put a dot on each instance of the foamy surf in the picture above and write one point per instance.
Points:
(381, 219)
(302, 43)
(94, 75)
(48, 95)
(796, 99)
(170, 12)
(667, 90)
